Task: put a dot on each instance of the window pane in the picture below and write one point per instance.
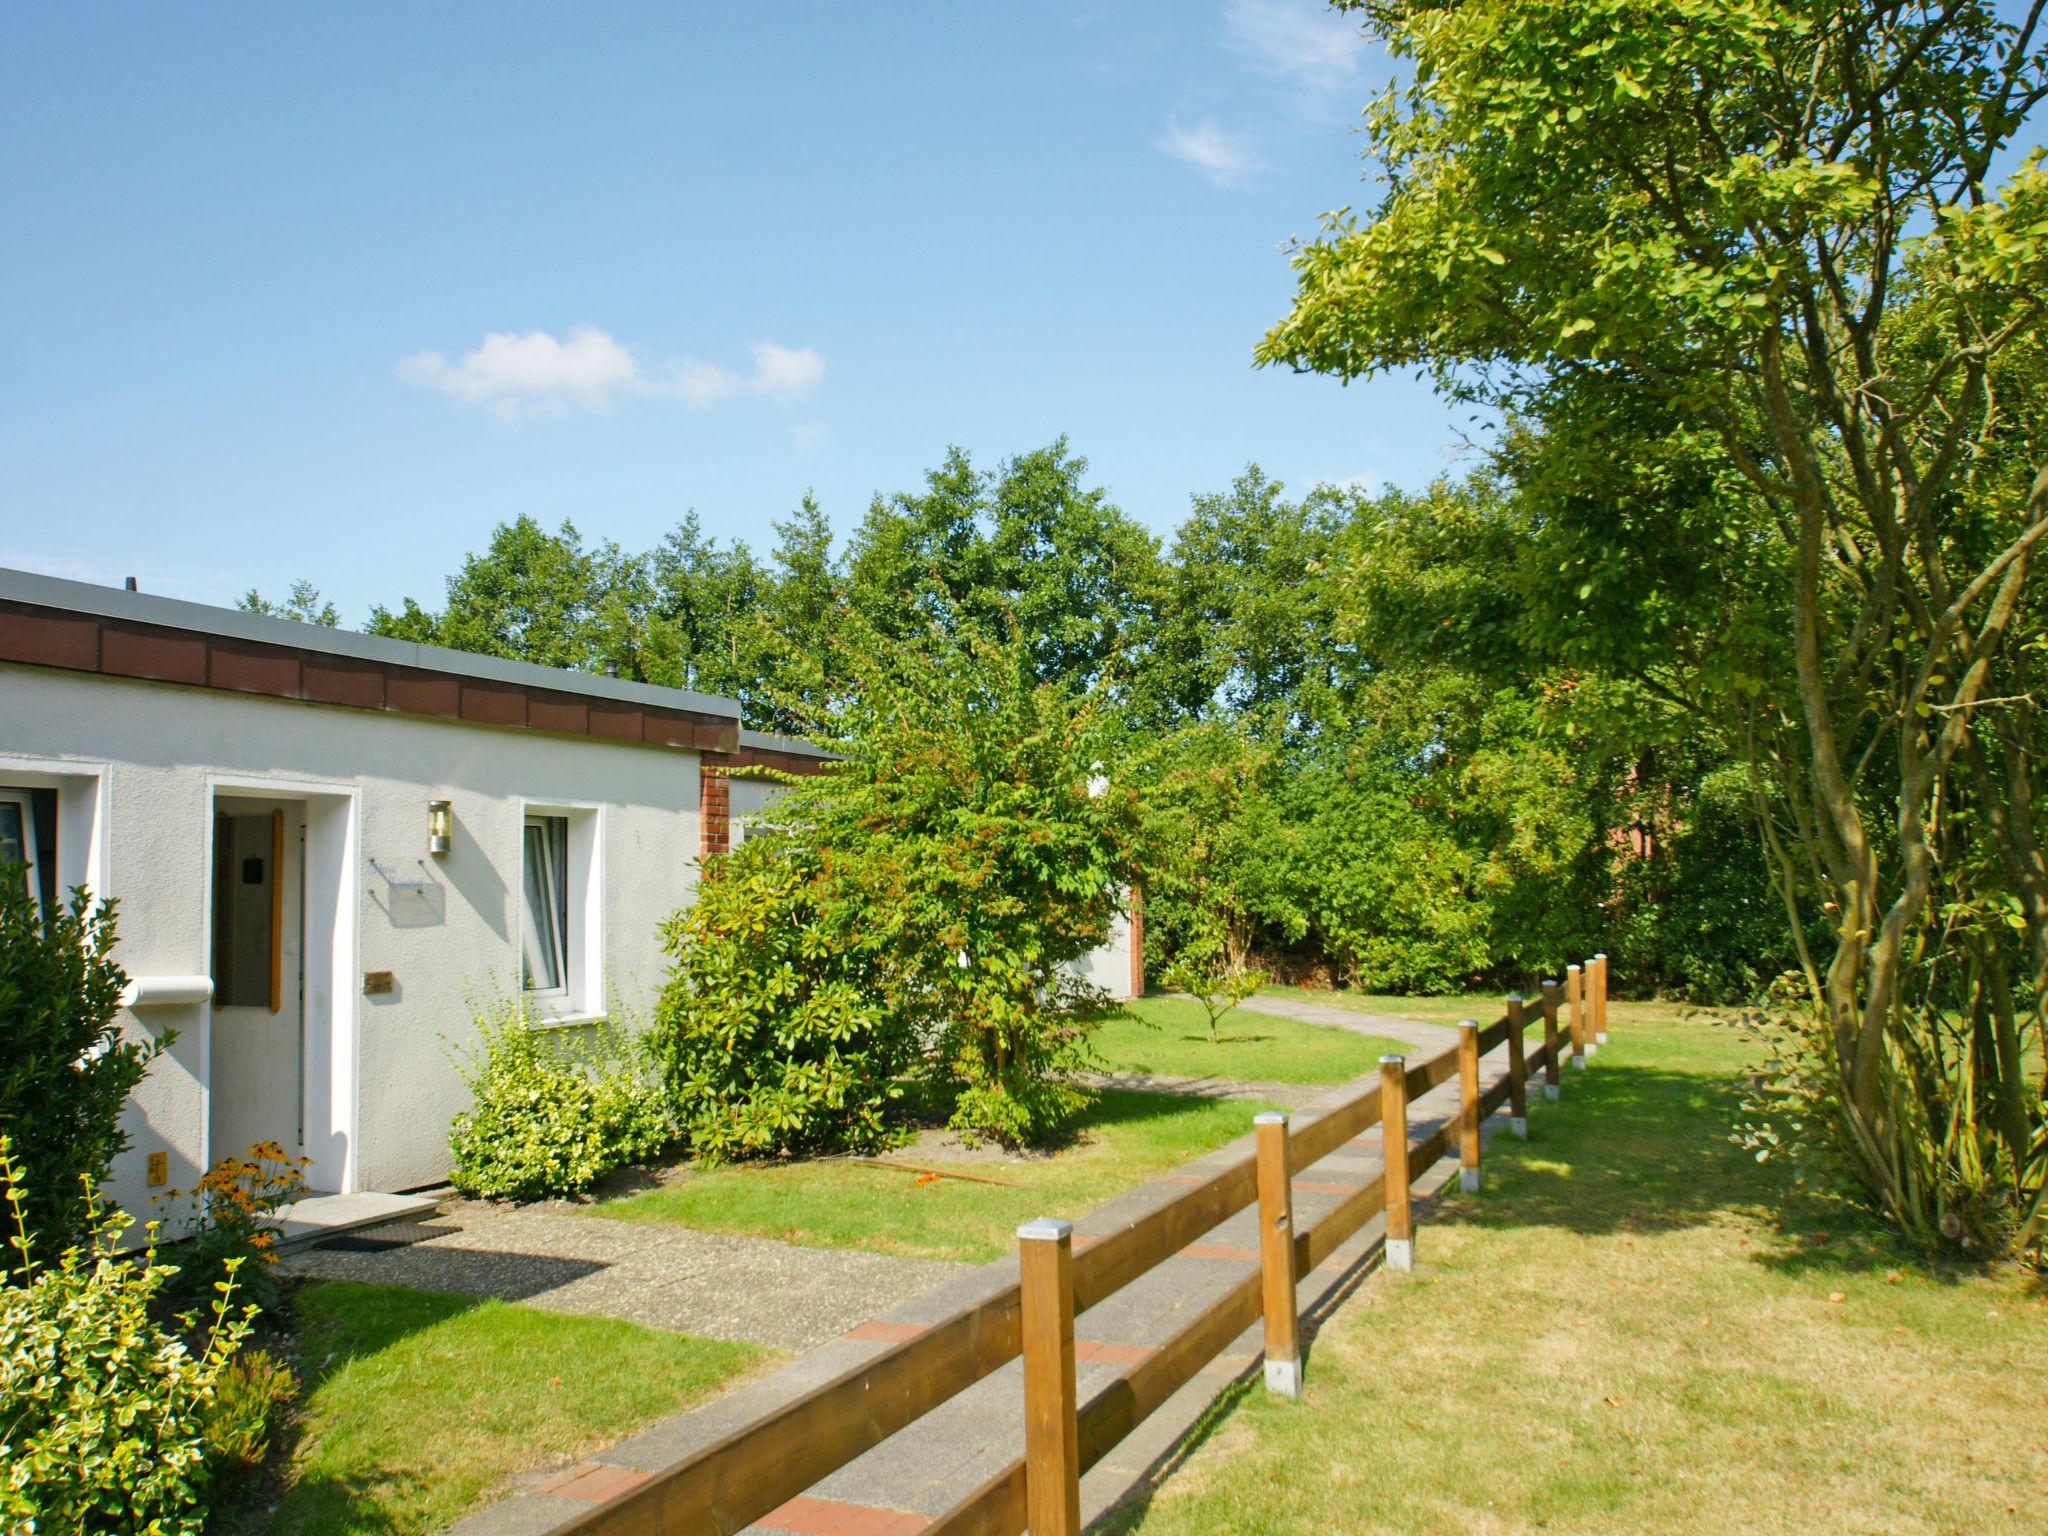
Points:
(13, 833)
(545, 882)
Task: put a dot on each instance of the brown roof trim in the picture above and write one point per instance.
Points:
(766, 757)
(112, 647)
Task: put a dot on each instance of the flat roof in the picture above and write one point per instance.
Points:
(86, 597)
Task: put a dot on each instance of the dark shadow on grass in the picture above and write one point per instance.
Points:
(1634, 1149)
(310, 1333)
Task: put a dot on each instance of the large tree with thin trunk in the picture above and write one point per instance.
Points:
(1775, 265)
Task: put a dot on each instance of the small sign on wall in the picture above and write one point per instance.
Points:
(378, 983)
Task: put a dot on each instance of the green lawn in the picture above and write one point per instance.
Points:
(1635, 1328)
(836, 1203)
(1485, 1007)
(1170, 1036)
(416, 1404)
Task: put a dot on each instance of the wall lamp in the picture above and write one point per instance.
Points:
(440, 826)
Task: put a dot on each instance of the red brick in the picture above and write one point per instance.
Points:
(806, 1516)
(592, 1482)
(331, 680)
(49, 640)
(161, 657)
(420, 693)
(1221, 1251)
(1096, 1352)
(892, 1333)
(493, 706)
(252, 668)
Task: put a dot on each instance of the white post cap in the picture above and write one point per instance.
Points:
(1046, 1229)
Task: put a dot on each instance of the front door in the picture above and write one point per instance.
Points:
(257, 1062)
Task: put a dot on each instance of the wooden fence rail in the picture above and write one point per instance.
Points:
(732, 1482)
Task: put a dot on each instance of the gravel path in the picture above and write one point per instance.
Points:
(1430, 1037)
(706, 1283)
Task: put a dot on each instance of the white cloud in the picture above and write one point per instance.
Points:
(533, 373)
(1222, 157)
(786, 372)
(1302, 39)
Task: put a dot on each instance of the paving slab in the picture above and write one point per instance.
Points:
(714, 1284)
(900, 1485)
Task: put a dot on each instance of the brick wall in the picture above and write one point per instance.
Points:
(714, 805)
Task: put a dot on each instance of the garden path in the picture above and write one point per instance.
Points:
(713, 1284)
(896, 1488)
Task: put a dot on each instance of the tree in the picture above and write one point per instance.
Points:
(922, 899)
(1247, 621)
(304, 606)
(531, 596)
(1031, 545)
(1767, 234)
(705, 625)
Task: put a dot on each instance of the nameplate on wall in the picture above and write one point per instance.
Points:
(378, 983)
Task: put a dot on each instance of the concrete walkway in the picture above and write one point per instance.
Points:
(714, 1284)
(898, 1487)
(1428, 1039)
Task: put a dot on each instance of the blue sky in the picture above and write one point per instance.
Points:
(328, 291)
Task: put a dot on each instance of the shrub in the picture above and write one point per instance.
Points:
(65, 1070)
(772, 1035)
(103, 1409)
(551, 1112)
(234, 1207)
(935, 882)
(1202, 974)
(247, 1398)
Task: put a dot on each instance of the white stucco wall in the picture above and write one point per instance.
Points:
(138, 766)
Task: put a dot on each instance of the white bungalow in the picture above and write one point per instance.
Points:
(324, 842)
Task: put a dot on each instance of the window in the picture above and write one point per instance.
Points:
(248, 910)
(18, 842)
(544, 968)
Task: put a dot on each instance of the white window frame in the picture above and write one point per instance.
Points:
(580, 997)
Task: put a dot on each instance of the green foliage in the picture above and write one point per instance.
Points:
(304, 605)
(104, 1411)
(1771, 343)
(65, 1067)
(234, 1223)
(779, 1030)
(920, 900)
(1216, 848)
(551, 1111)
(248, 1396)
(1215, 987)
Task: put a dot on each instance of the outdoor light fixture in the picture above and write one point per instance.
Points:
(439, 825)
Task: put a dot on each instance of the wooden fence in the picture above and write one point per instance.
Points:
(734, 1481)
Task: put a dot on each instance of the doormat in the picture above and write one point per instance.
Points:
(383, 1239)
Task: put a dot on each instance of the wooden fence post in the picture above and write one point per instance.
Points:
(1052, 1441)
(1518, 1069)
(1575, 1002)
(1394, 1150)
(1276, 1256)
(1600, 998)
(1468, 1104)
(1551, 1087)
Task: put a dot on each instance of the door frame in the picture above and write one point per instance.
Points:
(330, 914)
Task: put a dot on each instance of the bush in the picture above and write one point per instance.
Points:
(247, 1398)
(772, 1036)
(551, 1113)
(65, 1070)
(103, 1410)
(234, 1227)
(932, 887)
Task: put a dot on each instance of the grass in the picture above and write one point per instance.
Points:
(1636, 1328)
(835, 1203)
(1485, 1007)
(417, 1404)
(1169, 1036)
